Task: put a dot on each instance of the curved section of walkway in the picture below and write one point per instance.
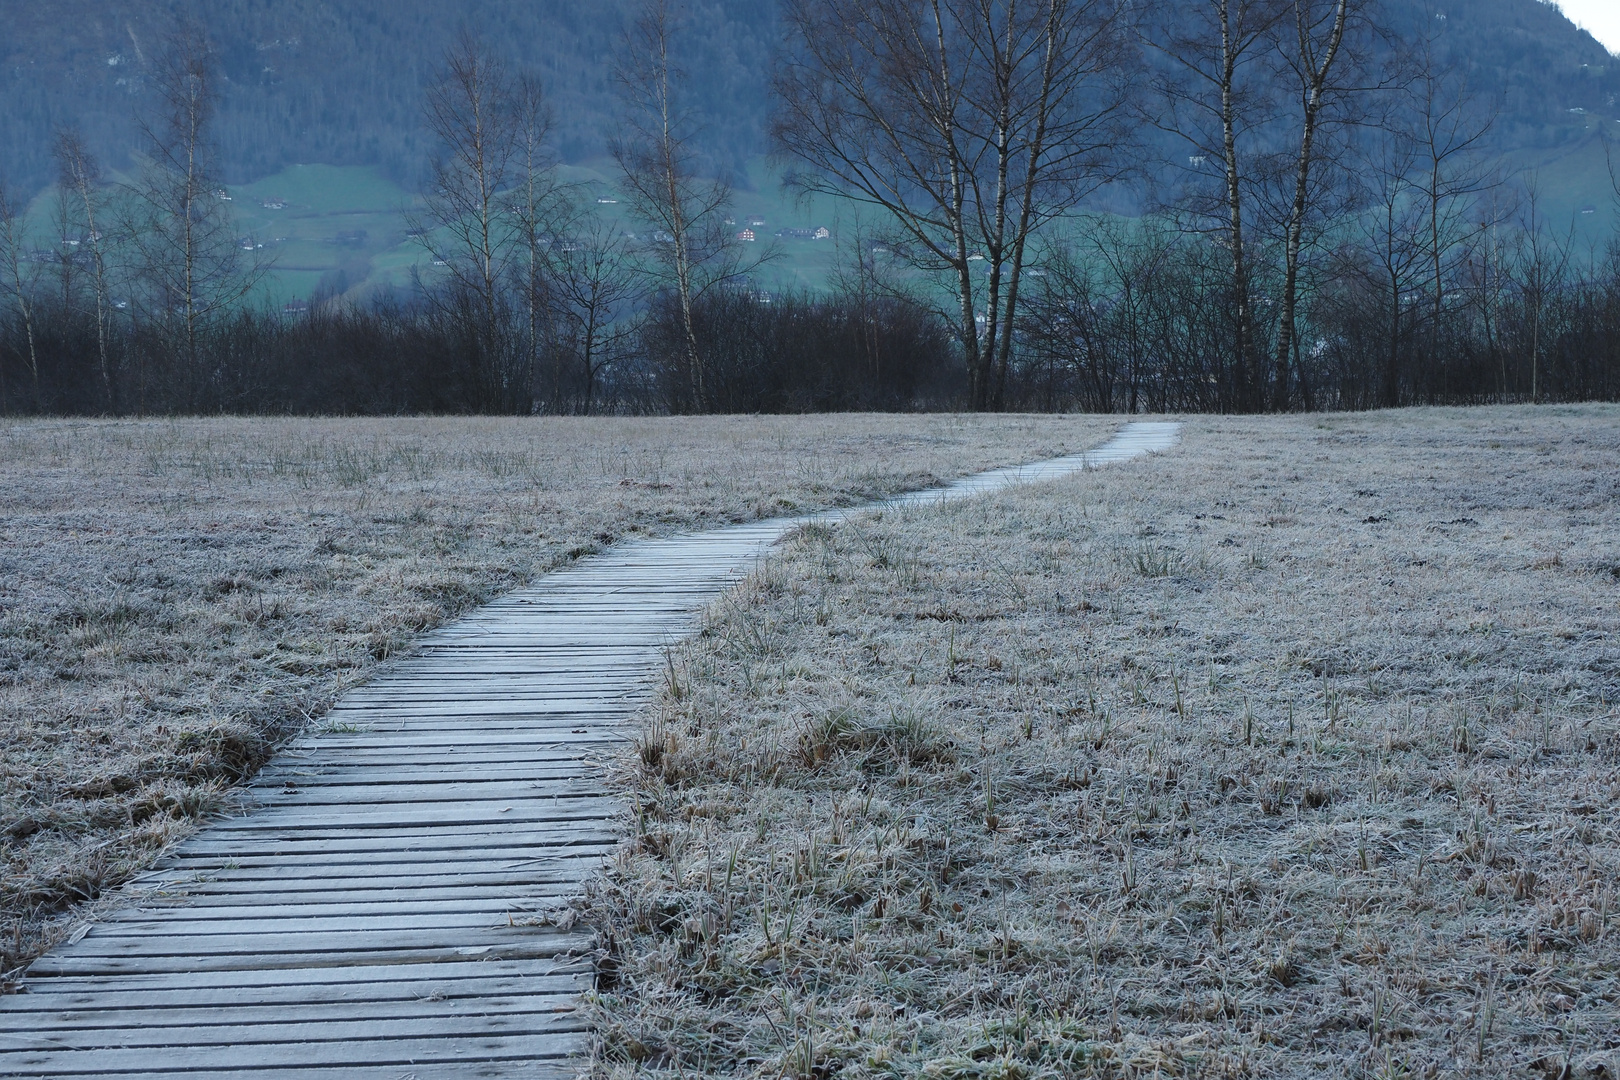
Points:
(375, 916)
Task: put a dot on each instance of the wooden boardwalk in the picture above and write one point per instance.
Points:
(374, 916)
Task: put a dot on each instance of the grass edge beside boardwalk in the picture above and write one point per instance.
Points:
(1285, 754)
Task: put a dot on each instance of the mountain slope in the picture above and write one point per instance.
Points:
(339, 81)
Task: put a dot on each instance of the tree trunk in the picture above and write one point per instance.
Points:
(1316, 86)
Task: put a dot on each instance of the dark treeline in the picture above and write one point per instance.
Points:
(794, 353)
(1335, 234)
(1145, 325)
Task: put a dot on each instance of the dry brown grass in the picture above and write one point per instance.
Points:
(178, 597)
(1291, 753)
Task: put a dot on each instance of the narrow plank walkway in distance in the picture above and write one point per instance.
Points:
(373, 917)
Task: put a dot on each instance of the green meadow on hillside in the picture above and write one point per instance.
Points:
(344, 230)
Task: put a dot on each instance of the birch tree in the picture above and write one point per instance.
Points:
(19, 280)
(473, 109)
(81, 186)
(189, 259)
(969, 123)
(535, 202)
(657, 159)
(1312, 49)
(1215, 95)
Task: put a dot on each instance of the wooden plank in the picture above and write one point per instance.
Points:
(564, 784)
(326, 775)
(161, 1023)
(375, 864)
(538, 940)
(266, 980)
(270, 906)
(359, 1051)
(429, 814)
(464, 1022)
(529, 837)
(392, 875)
(505, 1069)
(86, 963)
(364, 757)
(469, 741)
(186, 1006)
(202, 931)
(522, 848)
(243, 894)
(509, 847)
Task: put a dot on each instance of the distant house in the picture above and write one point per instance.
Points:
(756, 222)
(606, 200)
(274, 204)
(295, 307)
(821, 233)
(803, 234)
(747, 236)
(222, 195)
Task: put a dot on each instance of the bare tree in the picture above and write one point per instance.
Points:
(1542, 264)
(189, 258)
(1388, 258)
(1216, 96)
(19, 279)
(80, 185)
(472, 109)
(535, 202)
(1448, 129)
(1486, 275)
(970, 123)
(657, 158)
(1312, 52)
(592, 289)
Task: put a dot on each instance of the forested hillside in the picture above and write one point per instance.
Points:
(340, 81)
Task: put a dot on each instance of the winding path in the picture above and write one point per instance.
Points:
(374, 916)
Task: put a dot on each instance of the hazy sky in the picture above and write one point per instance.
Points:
(1601, 18)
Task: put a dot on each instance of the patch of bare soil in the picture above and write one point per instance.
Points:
(1293, 752)
(179, 597)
